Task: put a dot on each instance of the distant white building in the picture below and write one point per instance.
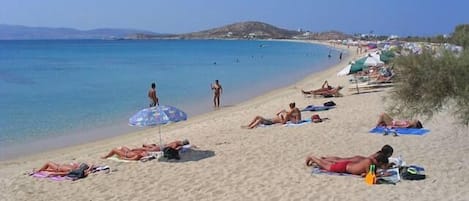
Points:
(393, 37)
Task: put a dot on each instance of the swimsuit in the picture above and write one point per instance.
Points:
(398, 123)
(267, 122)
(339, 167)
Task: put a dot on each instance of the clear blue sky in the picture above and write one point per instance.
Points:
(402, 17)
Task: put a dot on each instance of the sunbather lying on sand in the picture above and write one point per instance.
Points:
(178, 144)
(127, 154)
(359, 167)
(265, 121)
(387, 121)
(55, 169)
(325, 90)
(386, 150)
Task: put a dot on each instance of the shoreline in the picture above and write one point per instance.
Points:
(80, 137)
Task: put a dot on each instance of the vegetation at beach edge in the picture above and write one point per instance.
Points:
(433, 81)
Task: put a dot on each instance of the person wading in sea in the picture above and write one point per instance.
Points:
(217, 90)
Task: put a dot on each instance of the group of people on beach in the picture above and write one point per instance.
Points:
(123, 153)
(283, 116)
(357, 165)
(215, 87)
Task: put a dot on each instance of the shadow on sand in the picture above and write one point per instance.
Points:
(192, 155)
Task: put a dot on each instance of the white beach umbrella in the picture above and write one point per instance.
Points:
(344, 71)
(373, 61)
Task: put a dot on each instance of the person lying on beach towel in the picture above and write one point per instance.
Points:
(177, 145)
(326, 90)
(360, 167)
(126, 153)
(74, 170)
(387, 121)
(386, 150)
(294, 116)
(258, 120)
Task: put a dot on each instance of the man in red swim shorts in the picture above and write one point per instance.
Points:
(359, 167)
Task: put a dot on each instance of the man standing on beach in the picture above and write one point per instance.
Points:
(340, 56)
(217, 90)
(152, 96)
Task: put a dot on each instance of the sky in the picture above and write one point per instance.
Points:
(382, 17)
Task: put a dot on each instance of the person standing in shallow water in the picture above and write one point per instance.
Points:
(152, 96)
(217, 90)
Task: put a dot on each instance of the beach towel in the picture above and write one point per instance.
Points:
(400, 131)
(302, 122)
(45, 175)
(314, 108)
(393, 173)
(317, 170)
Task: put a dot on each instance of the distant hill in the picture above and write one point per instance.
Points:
(248, 30)
(18, 32)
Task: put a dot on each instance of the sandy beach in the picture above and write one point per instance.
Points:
(266, 163)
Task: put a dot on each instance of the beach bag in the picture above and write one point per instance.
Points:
(329, 103)
(79, 172)
(171, 153)
(408, 173)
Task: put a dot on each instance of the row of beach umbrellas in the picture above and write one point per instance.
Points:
(373, 59)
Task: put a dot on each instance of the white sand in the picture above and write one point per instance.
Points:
(260, 164)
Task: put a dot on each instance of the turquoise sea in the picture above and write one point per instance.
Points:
(83, 90)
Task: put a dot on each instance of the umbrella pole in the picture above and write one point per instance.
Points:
(161, 141)
(356, 83)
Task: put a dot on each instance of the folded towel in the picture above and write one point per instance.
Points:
(400, 131)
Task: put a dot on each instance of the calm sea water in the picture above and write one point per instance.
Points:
(56, 88)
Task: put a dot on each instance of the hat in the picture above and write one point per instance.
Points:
(316, 119)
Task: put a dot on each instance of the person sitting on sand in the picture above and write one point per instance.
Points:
(359, 167)
(294, 115)
(177, 145)
(386, 150)
(127, 154)
(387, 121)
(55, 169)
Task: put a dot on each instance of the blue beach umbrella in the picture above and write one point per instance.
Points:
(158, 115)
